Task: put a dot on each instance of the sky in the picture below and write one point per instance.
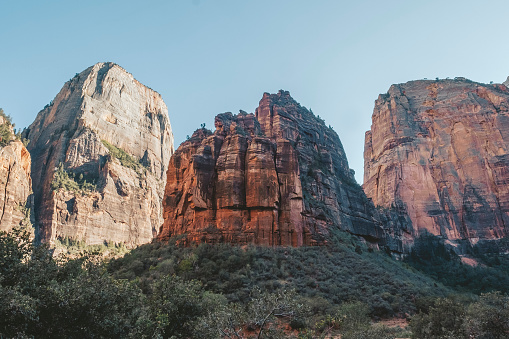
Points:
(211, 56)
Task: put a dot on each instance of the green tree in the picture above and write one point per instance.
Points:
(177, 305)
(256, 319)
(445, 319)
(488, 318)
(5, 129)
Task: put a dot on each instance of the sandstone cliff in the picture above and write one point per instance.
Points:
(15, 181)
(438, 152)
(279, 177)
(100, 152)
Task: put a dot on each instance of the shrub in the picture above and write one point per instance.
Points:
(445, 319)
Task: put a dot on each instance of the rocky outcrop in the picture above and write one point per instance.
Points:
(276, 177)
(15, 181)
(437, 152)
(100, 152)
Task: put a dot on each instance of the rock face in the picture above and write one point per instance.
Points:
(15, 181)
(276, 177)
(438, 152)
(100, 152)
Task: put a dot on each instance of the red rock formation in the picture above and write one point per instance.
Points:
(438, 151)
(107, 128)
(277, 178)
(15, 182)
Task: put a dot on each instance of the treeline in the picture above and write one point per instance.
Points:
(223, 291)
(431, 256)
(84, 297)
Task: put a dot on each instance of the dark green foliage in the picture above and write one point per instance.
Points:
(176, 305)
(216, 291)
(14, 249)
(431, 256)
(77, 298)
(46, 299)
(5, 129)
(324, 276)
(489, 317)
(443, 320)
(72, 182)
(486, 318)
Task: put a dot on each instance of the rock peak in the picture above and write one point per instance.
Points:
(281, 96)
(276, 177)
(438, 152)
(107, 128)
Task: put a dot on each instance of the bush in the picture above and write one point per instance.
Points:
(445, 319)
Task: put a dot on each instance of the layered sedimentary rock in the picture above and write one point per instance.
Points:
(100, 152)
(438, 152)
(276, 177)
(15, 180)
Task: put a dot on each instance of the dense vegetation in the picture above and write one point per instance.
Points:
(72, 182)
(432, 257)
(43, 297)
(486, 317)
(222, 291)
(326, 277)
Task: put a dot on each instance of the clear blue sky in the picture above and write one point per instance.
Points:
(207, 57)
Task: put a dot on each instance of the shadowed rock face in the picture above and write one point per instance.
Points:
(279, 177)
(101, 107)
(15, 184)
(438, 151)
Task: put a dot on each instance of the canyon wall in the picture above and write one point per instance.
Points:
(100, 151)
(437, 152)
(15, 179)
(276, 177)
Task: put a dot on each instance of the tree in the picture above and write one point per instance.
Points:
(5, 129)
(177, 305)
(445, 319)
(489, 317)
(258, 319)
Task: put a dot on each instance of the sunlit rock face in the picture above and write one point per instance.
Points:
(437, 152)
(15, 183)
(107, 128)
(276, 177)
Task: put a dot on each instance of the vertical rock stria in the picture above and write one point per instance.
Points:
(15, 181)
(438, 152)
(100, 152)
(279, 177)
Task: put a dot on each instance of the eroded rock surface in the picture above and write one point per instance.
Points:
(105, 128)
(15, 181)
(437, 151)
(276, 177)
